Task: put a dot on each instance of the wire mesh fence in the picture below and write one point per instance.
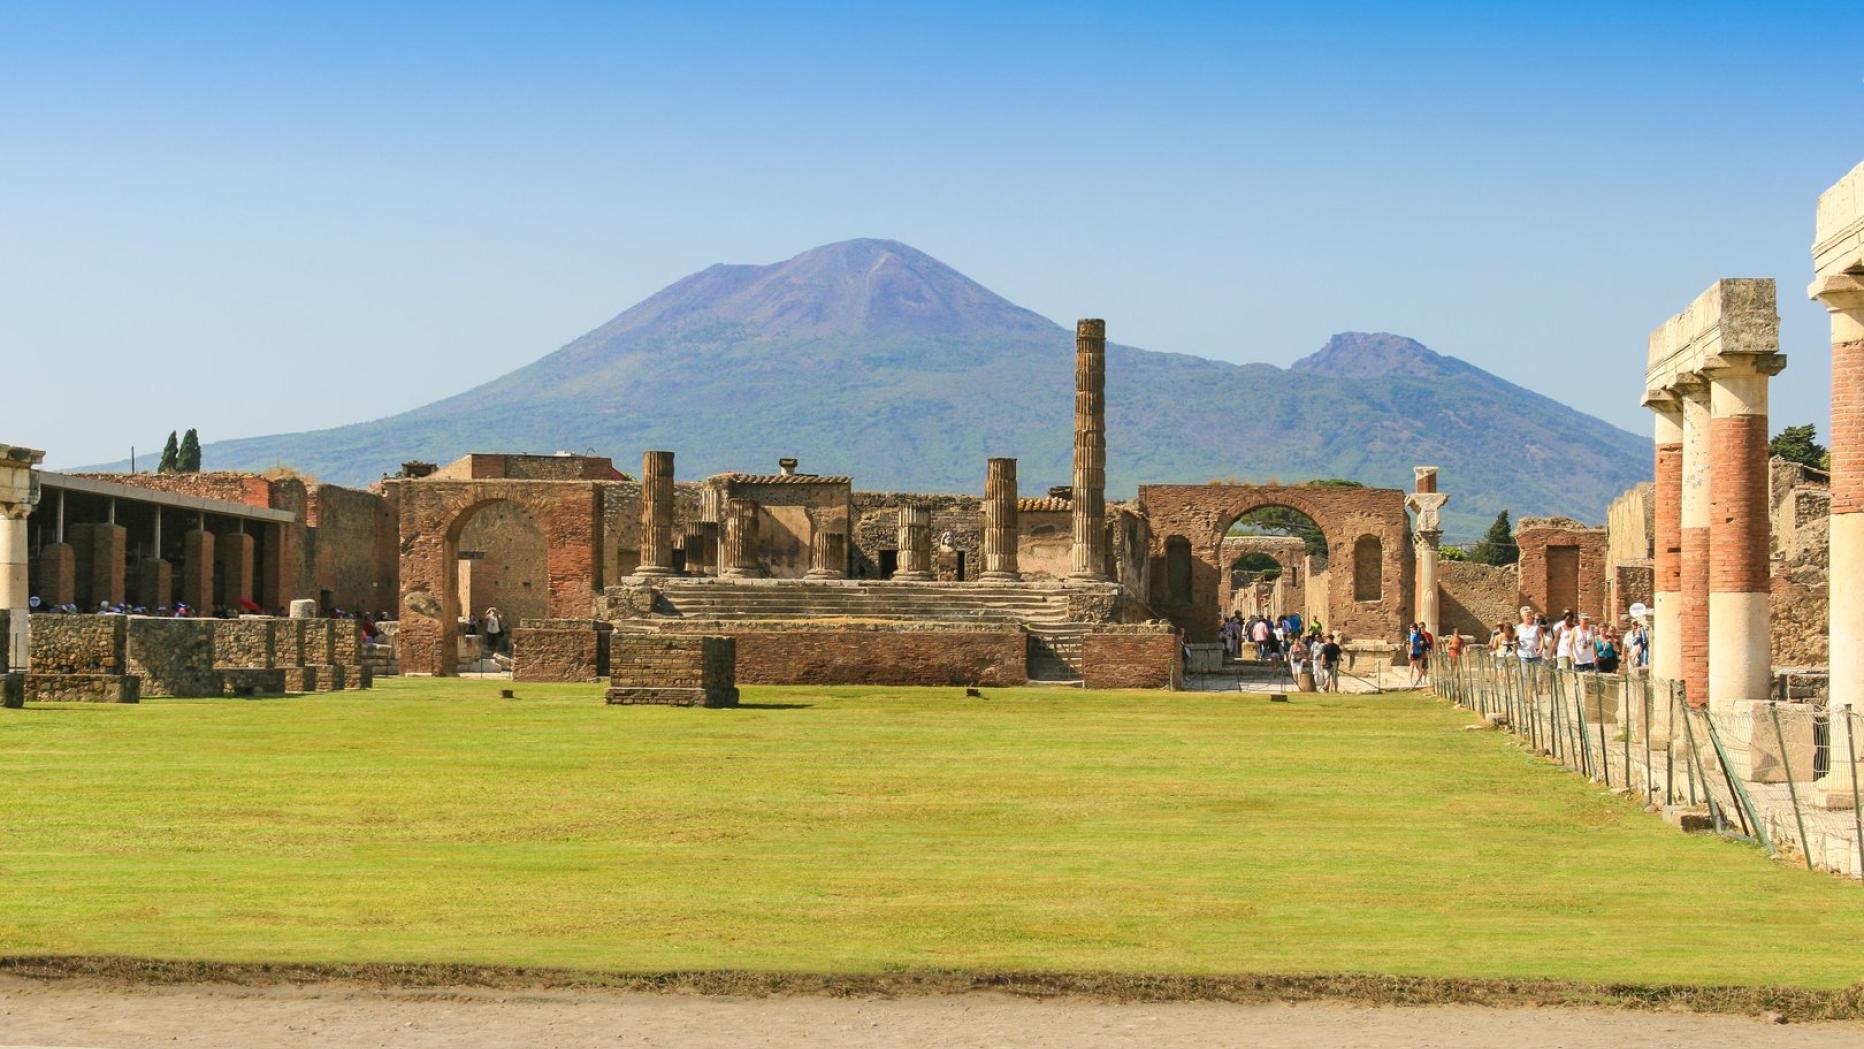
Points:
(1780, 774)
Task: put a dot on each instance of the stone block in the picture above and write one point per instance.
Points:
(174, 657)
(1755, 749)
(247, 644)
(83, 688)
(82, 644)
(253, 682)
(1204, 658)
(12, 691)
(560, 650)
(676, 670)
(1131, 657)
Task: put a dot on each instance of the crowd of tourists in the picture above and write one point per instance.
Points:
(1303, 646)
(1571, 642)
(181, 610)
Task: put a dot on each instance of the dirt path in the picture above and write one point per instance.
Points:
(98, 1016)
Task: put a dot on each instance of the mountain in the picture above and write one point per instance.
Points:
(871, 358)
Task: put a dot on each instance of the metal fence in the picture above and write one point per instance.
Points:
(1749, 772)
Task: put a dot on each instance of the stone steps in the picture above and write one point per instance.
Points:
(738, 601)
(1055, 652)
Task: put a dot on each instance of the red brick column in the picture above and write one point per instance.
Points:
(1740, 650)
(236, 552)
(58, 574)
(197, 571)
(155, 583)
(109, 550)
(1693, 589)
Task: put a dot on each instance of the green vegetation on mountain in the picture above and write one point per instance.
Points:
(872, 359)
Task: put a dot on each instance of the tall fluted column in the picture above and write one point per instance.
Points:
(17, 498)
(656, 515)
(915, 543)
(1000, 525)
(1838, 260)
(1427, 542)
(1740, 648)
(1666, 640)
(1088, 557)
(740, 528)
(1693, 603)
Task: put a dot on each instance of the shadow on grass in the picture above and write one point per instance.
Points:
(774, 706)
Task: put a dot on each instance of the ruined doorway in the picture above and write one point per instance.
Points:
(501, 561)
(1562, 579)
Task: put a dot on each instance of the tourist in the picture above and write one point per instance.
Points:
(1297, 659)
(1260, 635)
(1584, 641)
(1528, 637)
(1328, 665)
(1419, 650)
(1549, 645)
(494, 630)
(1501, 641)
(1637, 642)
(1454, 647)
(1607, 647)
(1563, 640)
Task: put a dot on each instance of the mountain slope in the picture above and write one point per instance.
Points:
(870, 358)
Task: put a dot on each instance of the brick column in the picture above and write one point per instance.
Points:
(1843, 295)
(1000, 525)
(656, 515)
(740, 545)
(1088, 556)
(17, 498)
(109, 563)
(1693, 590)
(1666, 641)
(1740, 649)
(58, 574)
(155, 583)
(197, 571)
(915, 544)
(236, 552)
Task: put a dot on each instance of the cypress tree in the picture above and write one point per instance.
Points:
(1497, 547)
(188, 460)
(171, 461)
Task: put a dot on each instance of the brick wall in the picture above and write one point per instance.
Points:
(1535, 537)
(857, 654)
(560, 650)
(1146, 657)
(352, 528)
(690, 670)
(1847, 442)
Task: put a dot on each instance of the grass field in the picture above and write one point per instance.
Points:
(854, 830)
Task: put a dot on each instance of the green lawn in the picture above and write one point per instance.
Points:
(852, 830)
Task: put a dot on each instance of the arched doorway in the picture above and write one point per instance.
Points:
(502, 563)
(1272, 554)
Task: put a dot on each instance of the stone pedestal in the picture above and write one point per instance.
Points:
(304, 608)
(19, 493)
(1000, 525)
(740, 544)
(1088, 556)
(915, 539)
(656, 515)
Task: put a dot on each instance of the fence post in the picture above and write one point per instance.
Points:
(1750, 820)
(1857, 817)
(1779, 735)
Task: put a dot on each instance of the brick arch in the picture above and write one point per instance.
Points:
(1204, 514)
(433, 513)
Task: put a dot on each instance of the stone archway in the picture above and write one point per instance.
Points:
(434, 513)
(1271, 567)
(1203, 514)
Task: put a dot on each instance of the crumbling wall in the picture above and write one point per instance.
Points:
(174, 657)
(77, 644)
(1473, 597)
(560, 650)
(351, 530)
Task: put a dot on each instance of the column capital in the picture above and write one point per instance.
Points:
(1839, 292)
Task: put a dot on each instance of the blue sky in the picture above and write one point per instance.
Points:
(253, 220)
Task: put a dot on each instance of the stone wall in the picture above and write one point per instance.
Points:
(352, 556)
(80, 688)
(1132, 657)
(1562, 566)
(1473, 597)
(78, 644)
(560, 650)
(876, 528)
(249, 644)
(503, 564)
(875, 654)
(173, 657)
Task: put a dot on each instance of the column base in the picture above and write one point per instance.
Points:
(653, 572)
(1088, 577)
(824, 573)
(738, 573)
(1000, 577)
(912, 577)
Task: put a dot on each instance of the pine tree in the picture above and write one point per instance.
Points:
(188, 460)
(1497, 547)
(171, 462)
(1797, 444)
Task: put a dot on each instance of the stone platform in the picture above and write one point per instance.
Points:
(673, 670)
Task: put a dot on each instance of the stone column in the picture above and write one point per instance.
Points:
(915, 563)
(656, 515)
(1088, 557)
(1838, 260)
(740, 528)
(1740, 648)
(1427, 542)
(1666, 620)
(1693, 527)
(18, 495)
(197, 571)
(1000, 526)
(828, 553)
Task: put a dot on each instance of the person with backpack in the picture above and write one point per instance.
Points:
(1419, 650)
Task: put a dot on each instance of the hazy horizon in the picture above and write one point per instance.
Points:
(253, 222)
